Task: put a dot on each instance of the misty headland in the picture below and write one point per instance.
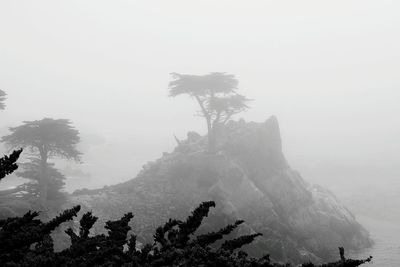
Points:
(285, 115)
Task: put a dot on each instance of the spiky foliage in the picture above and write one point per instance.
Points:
(168, 227)
(236, 243)
(18, 234)
(193, 222)
(118, 230)
(99, 249)
(25, 241)
(212, 237)
(8, 164)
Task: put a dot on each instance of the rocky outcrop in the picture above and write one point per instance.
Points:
(250, 179)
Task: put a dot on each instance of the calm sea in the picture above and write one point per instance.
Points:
(386, 235)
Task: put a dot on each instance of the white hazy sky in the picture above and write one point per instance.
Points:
(329, 70)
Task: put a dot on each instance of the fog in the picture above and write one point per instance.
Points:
(327, 70)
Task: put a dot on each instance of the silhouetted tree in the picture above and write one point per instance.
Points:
(216, 95)
(2, 99)
(45, 138)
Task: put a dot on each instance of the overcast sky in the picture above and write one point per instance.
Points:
(329, 70)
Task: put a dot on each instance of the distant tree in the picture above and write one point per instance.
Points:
(45, 138)
(2, 99)
(216, 95)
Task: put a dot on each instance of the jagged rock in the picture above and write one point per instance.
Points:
(250, 179)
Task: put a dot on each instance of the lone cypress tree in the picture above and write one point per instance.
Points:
(216, 95)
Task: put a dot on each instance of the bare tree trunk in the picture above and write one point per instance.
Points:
(43, 182)
(211, 138)
(210, 135)
(213, 133)
(341, 252)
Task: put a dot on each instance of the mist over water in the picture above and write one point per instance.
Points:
(328, 71)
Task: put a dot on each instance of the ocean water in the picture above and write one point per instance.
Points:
(373, 196)
(386, 250)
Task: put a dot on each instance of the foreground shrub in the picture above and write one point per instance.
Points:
(26, 241)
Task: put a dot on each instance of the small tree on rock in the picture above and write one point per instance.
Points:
(216, 95)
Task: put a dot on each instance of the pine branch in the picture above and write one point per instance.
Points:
(236, 243)
(118, 230)
(65, 216)
(132, 245)
(194, 221)
(210, 238)
(86, 223)
(159, 235)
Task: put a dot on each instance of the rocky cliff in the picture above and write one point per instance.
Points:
(250, 179)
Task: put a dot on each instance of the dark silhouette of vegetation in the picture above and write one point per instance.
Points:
(8, 164)
(25, 241)
(216, 95)
(45, 139)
